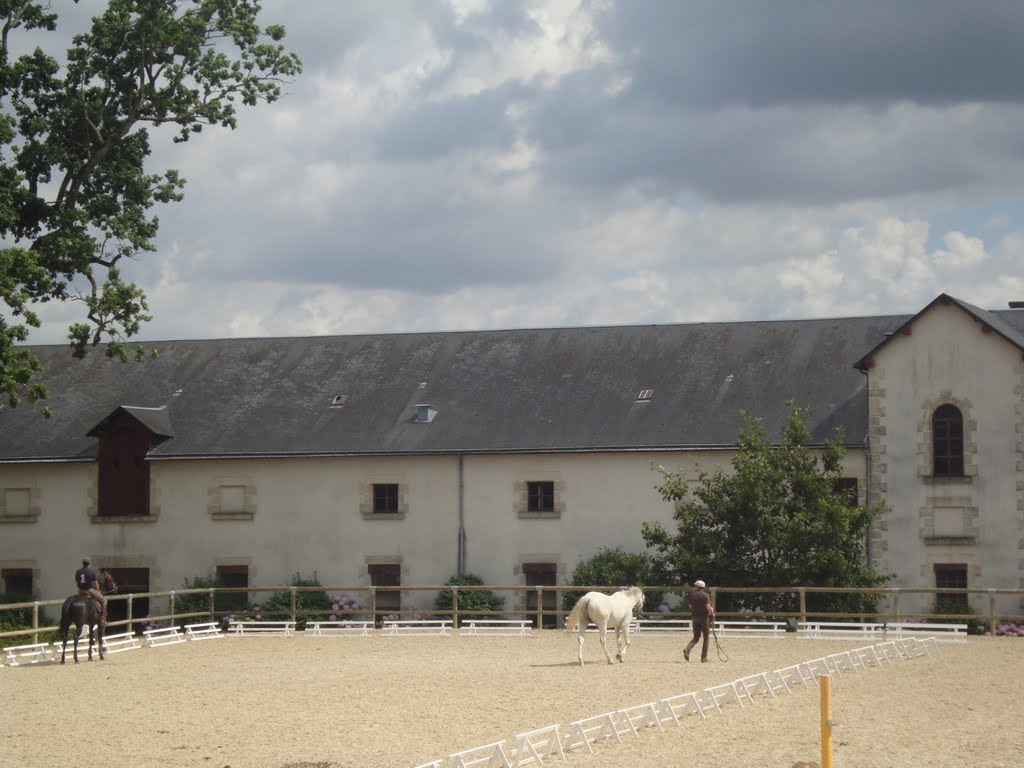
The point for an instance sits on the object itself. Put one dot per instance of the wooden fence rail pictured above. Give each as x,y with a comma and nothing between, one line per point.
530,599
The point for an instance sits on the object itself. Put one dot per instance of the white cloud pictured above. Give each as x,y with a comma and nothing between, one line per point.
962,251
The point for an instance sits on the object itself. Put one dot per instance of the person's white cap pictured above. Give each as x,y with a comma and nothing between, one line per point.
698,583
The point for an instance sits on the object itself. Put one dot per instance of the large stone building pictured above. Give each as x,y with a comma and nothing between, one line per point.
407,458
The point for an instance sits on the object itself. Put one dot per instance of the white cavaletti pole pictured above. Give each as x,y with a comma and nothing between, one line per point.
825,686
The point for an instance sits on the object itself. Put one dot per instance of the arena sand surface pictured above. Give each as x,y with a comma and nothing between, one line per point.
338,702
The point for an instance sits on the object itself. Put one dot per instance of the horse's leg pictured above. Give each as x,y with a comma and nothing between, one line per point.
603,626
78,631
624,632
64,647
91,625
101,626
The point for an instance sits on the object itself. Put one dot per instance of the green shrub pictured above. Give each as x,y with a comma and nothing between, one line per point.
959,607
307,604
469,600
20,619
618,569
195,603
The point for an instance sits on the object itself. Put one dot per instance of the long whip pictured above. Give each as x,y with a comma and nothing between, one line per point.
718,647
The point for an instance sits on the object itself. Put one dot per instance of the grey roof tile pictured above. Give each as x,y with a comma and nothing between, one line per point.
572,389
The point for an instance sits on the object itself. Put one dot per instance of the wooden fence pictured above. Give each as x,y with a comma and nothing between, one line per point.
529,602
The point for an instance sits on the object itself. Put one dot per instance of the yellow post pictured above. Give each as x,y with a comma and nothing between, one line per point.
825,685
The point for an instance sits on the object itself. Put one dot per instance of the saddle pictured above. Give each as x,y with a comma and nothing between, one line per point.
96,603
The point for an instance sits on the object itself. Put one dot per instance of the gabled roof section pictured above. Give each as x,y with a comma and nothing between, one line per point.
156,421
995,322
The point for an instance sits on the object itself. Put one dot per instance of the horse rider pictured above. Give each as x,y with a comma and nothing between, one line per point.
701,616
89,586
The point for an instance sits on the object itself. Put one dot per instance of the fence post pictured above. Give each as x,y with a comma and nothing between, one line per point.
825,687
35,622
540,606
992,612
896,606
128,610
212,613
455,607
373,604
803,604
172,606
292,600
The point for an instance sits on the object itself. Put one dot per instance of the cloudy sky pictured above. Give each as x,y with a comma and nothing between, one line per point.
471,164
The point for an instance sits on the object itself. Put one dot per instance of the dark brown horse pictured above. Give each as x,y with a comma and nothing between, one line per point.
82,610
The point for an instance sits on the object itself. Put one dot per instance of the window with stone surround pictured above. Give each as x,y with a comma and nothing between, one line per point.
232,498
847,487
17,506
951,576
17,584
387,600
385,498
947,442
540,497
236,576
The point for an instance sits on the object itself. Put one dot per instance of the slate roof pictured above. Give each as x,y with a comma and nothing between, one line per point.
555,389
1009,325
154,420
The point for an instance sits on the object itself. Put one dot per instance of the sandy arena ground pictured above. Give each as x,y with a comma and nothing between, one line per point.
338,702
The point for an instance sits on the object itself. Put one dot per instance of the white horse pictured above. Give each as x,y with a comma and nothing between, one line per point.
606,610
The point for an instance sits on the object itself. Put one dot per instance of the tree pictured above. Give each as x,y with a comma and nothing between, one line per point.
778,519
75,197
615,568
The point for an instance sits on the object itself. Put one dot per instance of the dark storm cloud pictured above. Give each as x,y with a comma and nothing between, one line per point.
806,155
759,54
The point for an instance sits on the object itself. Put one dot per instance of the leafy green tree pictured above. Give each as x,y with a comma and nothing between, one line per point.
75,196
777,519
470,601
615,568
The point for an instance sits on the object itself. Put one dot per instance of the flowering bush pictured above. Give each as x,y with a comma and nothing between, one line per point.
344,608
1009,629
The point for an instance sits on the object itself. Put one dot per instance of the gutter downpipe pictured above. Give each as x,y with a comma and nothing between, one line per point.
462,518
867,492
867,466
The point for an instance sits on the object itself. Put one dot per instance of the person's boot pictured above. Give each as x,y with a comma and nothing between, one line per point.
686,653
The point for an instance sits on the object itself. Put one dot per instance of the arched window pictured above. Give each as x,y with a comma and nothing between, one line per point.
947,442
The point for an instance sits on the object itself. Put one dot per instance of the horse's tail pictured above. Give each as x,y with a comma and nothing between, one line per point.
67,617
576,614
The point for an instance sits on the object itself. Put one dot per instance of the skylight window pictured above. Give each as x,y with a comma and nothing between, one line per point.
645,395
425,413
